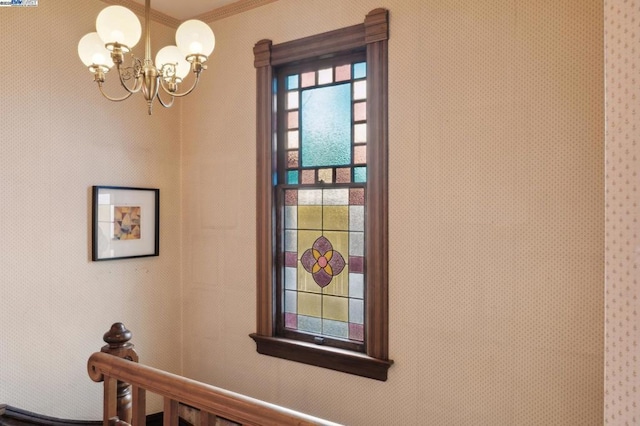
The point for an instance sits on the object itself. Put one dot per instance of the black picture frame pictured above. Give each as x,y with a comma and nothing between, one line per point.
121,225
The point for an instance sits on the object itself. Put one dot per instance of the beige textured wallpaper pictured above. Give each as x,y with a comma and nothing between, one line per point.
622,383
496,215
58,137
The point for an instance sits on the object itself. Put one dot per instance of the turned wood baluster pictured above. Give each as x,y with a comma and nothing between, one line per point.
118,344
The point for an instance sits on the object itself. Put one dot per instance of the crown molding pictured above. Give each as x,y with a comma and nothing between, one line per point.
232,9
239,6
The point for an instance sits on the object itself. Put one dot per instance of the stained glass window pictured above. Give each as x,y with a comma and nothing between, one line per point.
323,185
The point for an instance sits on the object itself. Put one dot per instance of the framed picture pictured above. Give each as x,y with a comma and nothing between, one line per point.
126,222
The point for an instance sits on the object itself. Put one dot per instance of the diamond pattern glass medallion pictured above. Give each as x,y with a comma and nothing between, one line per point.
323,150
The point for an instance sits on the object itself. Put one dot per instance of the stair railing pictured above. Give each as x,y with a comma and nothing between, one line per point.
126,383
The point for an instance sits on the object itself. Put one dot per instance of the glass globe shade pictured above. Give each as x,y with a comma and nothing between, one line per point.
92,51
118,24
172,55
195,37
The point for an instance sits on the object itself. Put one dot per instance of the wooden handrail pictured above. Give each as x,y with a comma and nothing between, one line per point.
175,389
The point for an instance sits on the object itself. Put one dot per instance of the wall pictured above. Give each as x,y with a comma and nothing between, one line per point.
58,137
622,383
496,219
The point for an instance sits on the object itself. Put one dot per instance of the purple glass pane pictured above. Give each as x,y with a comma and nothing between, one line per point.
291,197
356,196
322,245
343,175
322,278
308,176
290,259
356,332
337,263
291,321
308,260
356,264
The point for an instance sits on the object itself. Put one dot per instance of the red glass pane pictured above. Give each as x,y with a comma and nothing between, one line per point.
308,176
308,79
359,154
292,120
356,196
291,197
360,111
343,72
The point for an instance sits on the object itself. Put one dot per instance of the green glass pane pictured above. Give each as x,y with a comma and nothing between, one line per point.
326,126
292,82
360,70
359,174
292,177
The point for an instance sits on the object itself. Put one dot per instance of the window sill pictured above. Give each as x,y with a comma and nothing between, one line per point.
323,356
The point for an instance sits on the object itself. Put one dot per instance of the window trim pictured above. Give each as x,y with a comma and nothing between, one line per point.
373,35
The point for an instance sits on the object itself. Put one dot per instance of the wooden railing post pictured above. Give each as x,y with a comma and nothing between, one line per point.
118,344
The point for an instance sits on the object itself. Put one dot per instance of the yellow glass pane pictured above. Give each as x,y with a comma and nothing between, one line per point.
310,217
310,304
336,218
305,281
325,175
340,242
334,308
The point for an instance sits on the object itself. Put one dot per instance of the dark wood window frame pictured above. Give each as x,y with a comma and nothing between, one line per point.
372,36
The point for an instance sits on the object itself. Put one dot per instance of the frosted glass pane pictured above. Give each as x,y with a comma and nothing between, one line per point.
326,126
292,82
292,100
325,76
292,139
360,133
360,70
360,90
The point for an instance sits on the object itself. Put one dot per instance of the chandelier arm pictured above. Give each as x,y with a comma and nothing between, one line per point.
166,105
137,85
113,99
179,95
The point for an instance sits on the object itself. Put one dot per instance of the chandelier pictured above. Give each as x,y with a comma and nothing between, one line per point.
117,32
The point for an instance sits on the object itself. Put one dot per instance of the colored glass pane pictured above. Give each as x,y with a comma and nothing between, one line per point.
359,111
292,82
356,286
359,154
360,90
326,126
291,197
356,264
308,79
335,308
325,175
356,332
291,321
335,328
309,304
292,177
343,72
360,70
359,174
360,133
292,100
308,176
325,76
343,175
292,139
310,217
356,196
356,218
292,160
335,218
309,324
292,120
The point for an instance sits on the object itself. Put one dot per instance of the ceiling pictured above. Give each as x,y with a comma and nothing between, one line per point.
185,9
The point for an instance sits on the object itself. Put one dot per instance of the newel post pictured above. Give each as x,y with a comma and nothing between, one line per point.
118,344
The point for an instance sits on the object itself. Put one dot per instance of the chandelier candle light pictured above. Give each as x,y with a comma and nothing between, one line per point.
117,32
